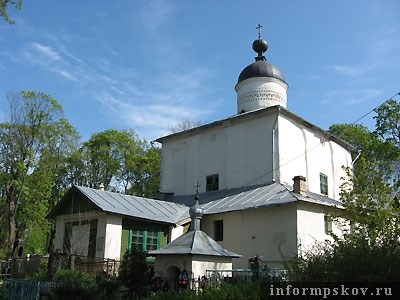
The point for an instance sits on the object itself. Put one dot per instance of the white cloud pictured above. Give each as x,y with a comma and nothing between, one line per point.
347,97
351,71
156,13
45,52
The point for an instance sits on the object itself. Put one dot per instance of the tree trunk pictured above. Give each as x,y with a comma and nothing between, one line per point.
11,221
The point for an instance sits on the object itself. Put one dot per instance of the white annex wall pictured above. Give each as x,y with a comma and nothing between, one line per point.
113,237
176,232
266,232
311,225
201,263
195,265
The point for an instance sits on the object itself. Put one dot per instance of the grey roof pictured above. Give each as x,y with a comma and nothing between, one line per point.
261,68
196,243
133,206
252,197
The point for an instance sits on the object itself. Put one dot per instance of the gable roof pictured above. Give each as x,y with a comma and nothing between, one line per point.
252,197
194,242
127,205
277,109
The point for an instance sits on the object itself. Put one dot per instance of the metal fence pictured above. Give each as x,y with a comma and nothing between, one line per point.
16,289
27,266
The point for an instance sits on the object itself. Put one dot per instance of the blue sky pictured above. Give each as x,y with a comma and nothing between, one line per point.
145,65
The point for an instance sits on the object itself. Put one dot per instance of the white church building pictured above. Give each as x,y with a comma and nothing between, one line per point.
269,180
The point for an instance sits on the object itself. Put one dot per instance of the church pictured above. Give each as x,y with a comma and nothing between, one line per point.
269,180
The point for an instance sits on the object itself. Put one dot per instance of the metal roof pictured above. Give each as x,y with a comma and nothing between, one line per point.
133,206
252,197
196,243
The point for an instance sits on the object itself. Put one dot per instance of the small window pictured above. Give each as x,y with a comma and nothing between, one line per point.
323,183
328,224
219,230
146,240
212,183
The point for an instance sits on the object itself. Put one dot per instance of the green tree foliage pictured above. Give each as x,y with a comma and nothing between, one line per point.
132,271
388,129
120,161
5,5
32,141
355,258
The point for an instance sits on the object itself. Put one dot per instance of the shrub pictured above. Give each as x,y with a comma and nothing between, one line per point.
355,258
73,275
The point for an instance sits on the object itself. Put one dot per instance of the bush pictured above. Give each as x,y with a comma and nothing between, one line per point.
101,289
73,275
132,271
245,291
355,258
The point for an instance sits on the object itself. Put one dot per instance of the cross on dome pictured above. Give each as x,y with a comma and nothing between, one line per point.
259,26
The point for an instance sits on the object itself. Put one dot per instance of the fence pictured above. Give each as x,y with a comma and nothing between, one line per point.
216,277
26,267
18,289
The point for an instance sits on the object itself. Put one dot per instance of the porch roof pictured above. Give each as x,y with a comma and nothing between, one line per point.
252,197
132,206
194,242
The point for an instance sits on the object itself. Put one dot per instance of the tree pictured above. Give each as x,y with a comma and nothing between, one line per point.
132,271
388,129
4,9
120,161
34,119
185,124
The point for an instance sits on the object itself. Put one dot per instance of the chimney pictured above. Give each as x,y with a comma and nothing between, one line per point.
101,187
300,185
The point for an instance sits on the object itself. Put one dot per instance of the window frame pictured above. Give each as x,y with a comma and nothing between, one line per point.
145,235
323,184
218,230
214,184
327,224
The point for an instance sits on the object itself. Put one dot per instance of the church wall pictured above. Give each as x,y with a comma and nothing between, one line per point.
240,152
311,224
303,151
266,232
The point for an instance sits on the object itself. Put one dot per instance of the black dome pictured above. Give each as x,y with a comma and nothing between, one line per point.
260,68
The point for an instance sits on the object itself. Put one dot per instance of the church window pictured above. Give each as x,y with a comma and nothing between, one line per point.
328,224
219,230
212,183
143,239
323,183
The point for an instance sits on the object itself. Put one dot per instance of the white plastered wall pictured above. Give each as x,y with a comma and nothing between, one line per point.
311,225
240,152
267,232
308,153
113,237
